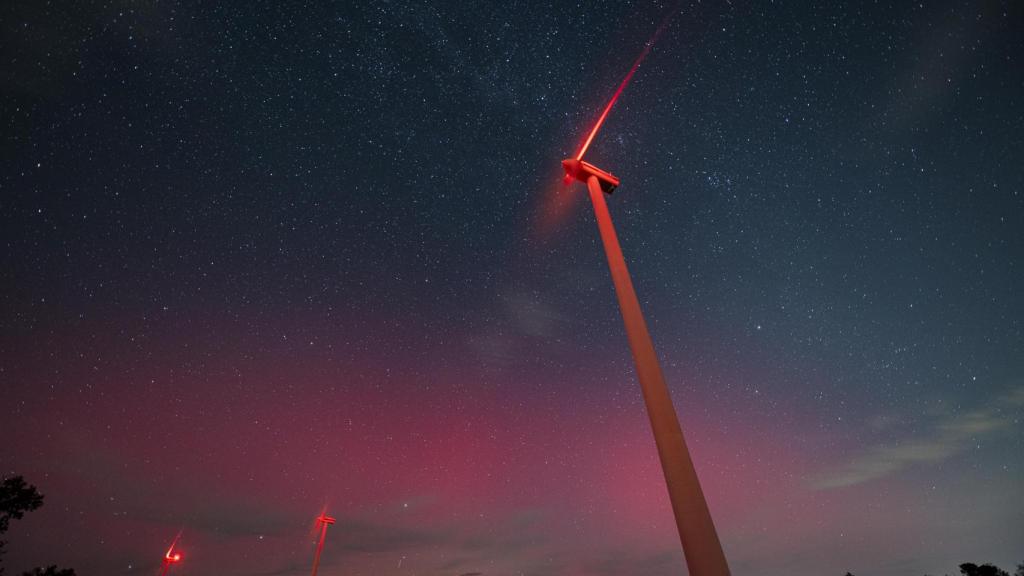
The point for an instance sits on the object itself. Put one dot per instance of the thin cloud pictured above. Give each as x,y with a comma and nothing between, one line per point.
950,436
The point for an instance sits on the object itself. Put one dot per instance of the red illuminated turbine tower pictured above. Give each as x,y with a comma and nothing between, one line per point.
701,547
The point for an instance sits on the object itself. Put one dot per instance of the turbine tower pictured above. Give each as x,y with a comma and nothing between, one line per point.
323,520
701,547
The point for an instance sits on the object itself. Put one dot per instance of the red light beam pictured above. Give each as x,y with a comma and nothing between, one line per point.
556,203
622,85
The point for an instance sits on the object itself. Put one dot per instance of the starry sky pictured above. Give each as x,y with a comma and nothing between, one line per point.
266,257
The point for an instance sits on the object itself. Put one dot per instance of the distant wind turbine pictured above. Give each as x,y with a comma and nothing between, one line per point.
323,520
170,557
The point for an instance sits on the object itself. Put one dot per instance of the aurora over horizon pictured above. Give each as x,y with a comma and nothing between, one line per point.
265,261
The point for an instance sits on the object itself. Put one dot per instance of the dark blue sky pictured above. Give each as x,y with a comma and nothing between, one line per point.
261,257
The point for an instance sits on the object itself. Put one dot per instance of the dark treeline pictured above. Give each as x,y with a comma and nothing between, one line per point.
970,569
988,570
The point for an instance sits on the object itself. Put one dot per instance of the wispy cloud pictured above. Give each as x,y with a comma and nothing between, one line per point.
528,317
951,435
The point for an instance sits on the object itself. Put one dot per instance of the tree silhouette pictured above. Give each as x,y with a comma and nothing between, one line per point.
16,498
969,569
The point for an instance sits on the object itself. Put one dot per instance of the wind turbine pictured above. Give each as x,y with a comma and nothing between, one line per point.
323,520
701,547
170,557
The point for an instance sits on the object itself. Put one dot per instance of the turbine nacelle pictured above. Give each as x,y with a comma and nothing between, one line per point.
582,171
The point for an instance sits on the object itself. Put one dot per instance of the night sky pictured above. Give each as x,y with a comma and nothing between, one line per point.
263,257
